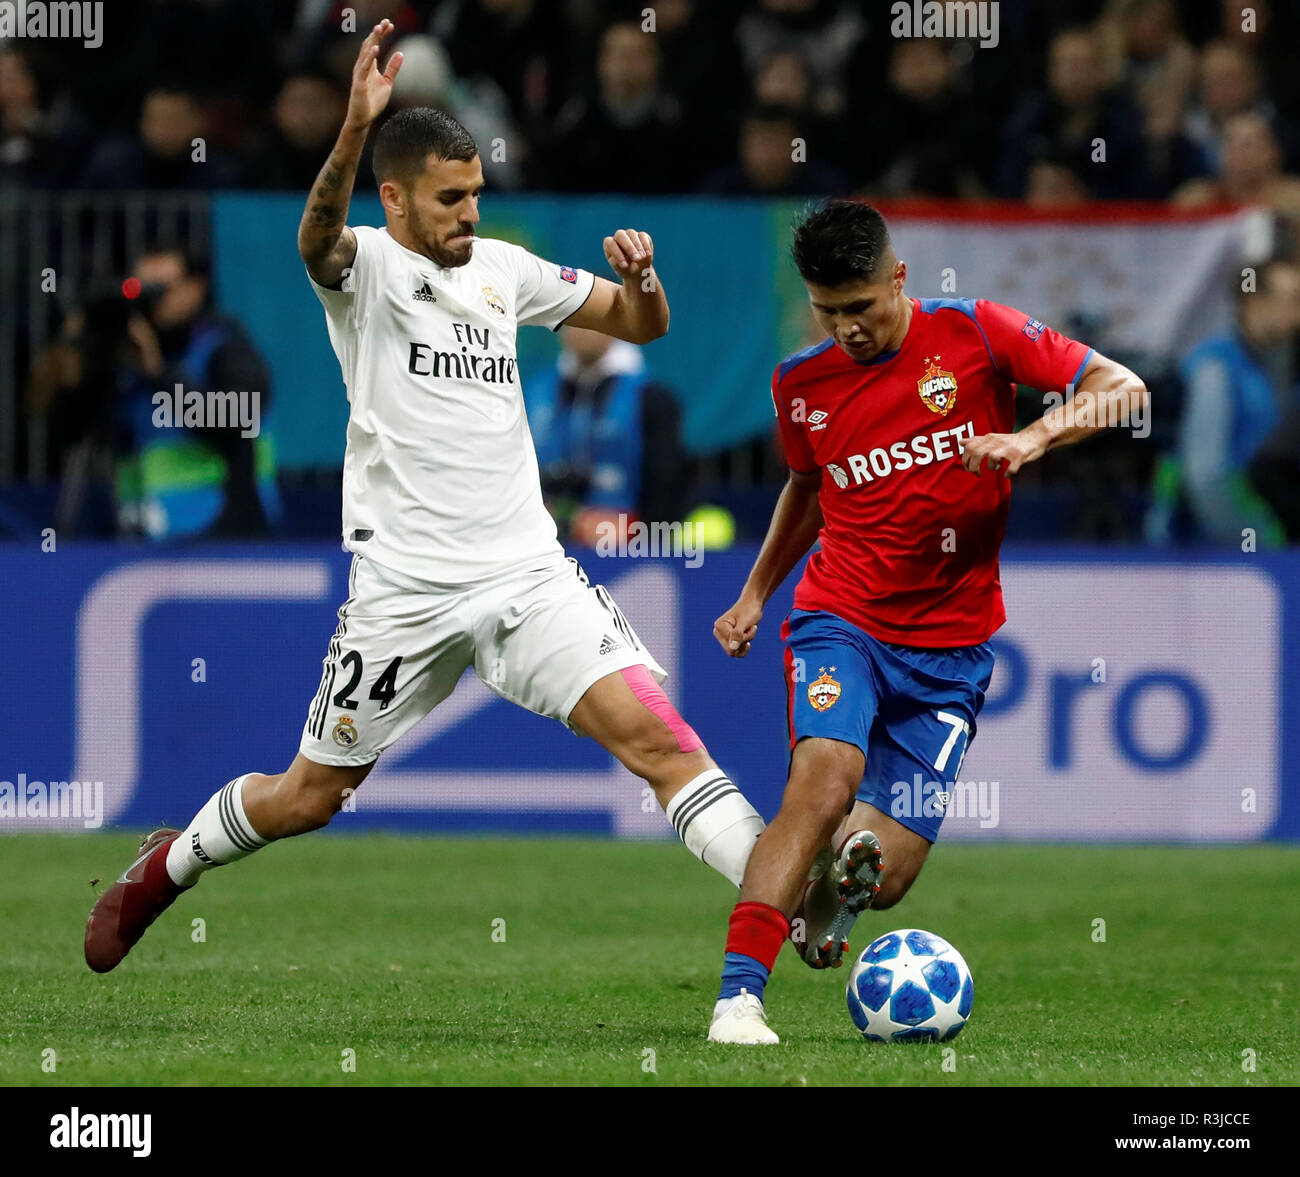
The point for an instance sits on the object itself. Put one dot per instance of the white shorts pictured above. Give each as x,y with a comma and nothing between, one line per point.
539,638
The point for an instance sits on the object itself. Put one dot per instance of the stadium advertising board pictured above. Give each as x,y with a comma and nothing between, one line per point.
1135,700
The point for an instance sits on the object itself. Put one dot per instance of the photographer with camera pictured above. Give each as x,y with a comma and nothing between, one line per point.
130,389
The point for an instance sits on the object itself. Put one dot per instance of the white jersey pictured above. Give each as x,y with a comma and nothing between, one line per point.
440,478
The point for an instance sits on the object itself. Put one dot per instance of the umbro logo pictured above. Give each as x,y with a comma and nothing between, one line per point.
609,645
423,293
817,420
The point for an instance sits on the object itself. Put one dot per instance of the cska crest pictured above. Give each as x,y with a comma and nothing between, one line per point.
824,692
938,388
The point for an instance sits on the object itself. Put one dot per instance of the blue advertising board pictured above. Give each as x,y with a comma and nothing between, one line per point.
1137,698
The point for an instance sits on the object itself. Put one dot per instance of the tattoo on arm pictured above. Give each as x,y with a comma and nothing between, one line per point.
324,216
327,208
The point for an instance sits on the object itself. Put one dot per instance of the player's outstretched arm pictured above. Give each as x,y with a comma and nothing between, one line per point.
638,309
325,243
1108,394
796,520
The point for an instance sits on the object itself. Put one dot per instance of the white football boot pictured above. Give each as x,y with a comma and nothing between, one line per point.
835,899
740,1020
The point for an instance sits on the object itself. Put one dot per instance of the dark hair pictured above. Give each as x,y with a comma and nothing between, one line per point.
841,241
1056,155
410,136
313,72
194,258
173,86
771,114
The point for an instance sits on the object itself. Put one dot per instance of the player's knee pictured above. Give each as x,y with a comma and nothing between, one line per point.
816,809
308,801
651,755
652,748
889,894
894,884
310,809
825,760
822,786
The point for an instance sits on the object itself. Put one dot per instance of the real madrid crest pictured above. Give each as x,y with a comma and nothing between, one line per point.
345,731
495,305
938,387
824,691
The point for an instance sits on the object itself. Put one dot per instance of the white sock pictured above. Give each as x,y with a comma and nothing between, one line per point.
220,833
717,824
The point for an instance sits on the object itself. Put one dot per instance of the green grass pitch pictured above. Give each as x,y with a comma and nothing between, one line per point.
386,947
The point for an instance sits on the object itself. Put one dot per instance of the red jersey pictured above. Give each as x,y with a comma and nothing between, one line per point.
909,547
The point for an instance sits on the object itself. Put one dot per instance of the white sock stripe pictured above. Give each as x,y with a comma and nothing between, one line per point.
691,787
700,802
235,830
240,814
687,793
690,790
218,834
221,814
716,822
686,825
227,822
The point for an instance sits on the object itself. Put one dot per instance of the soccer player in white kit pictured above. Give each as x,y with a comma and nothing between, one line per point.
455,558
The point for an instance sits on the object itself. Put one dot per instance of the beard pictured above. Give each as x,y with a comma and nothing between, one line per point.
436,249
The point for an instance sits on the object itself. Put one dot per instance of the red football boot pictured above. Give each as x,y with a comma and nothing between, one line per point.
123,912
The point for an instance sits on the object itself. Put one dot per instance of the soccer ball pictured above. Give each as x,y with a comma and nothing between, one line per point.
910,985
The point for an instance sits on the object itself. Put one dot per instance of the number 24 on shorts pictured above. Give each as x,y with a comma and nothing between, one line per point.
383,690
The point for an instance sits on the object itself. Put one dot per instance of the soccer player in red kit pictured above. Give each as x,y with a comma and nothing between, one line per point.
898,433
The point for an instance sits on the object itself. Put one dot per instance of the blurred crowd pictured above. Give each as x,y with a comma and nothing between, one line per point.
1194,102
1197,101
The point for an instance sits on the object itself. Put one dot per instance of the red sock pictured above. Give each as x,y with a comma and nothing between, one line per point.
757,930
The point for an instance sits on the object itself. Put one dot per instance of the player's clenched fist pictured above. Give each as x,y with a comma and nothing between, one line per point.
736,628
1004,452
630,252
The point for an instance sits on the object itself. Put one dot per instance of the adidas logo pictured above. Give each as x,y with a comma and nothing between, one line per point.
608,645
424,294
